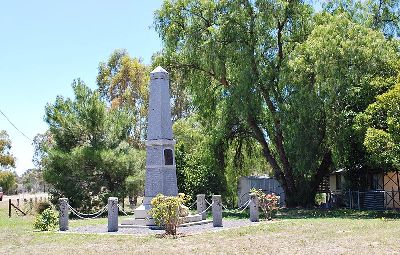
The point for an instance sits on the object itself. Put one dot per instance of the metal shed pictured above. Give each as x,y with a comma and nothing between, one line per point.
264,182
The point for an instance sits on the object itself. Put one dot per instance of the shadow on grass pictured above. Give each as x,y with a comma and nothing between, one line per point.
317,213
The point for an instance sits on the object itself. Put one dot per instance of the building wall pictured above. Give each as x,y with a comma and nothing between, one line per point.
265,183
392,190
332,182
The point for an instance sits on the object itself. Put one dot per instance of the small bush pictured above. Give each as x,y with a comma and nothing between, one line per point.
42,206
46,221
166,211
267,202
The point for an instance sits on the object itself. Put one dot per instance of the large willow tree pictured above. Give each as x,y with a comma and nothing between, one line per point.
272,71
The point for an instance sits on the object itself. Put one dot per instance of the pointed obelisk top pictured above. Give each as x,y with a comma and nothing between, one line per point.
159,73
159,69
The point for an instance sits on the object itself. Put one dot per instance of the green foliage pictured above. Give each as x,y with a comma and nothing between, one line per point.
276,74
87,155
269,203
32,179
380,123
382,15
197,166
166,211
6,158
8,181
42,206
46,221
135,183
123,82
337,72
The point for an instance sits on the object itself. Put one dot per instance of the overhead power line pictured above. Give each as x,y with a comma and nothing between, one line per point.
15,126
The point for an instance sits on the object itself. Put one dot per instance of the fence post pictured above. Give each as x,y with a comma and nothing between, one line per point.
18,202
112,214
393,196
254,212
217,210
9,208
64,213
201,205
31,203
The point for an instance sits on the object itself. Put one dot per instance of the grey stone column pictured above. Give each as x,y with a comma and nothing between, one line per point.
254,212
64,213
201,205
217,210
112,214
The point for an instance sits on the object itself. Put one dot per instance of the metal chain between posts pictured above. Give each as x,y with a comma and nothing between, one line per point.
192,204
82,215
207,208
223,206
122,210
245,205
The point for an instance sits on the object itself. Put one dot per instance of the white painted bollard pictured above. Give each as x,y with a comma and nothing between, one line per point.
217,210
254,212
201,205
112,214
64,213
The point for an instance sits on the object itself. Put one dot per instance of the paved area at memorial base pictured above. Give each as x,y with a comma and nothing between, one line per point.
227,224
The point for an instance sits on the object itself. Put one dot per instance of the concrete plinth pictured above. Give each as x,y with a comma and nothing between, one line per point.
64,214
217,210
201,205
254,212
134,222
112,214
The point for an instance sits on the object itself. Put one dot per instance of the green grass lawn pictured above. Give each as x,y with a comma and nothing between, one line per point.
294,232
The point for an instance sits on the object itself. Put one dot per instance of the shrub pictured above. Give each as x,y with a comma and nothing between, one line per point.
166,211
46,221
42,206
267,202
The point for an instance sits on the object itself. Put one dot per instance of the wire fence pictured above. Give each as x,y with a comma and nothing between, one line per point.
366,200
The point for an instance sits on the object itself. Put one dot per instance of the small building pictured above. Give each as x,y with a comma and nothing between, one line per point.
336,180
382,191
264,182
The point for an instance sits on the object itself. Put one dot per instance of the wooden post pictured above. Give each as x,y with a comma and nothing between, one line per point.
9,208
18,202
393,198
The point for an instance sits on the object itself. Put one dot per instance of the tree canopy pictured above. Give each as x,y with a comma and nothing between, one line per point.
7,160
273,71
88,156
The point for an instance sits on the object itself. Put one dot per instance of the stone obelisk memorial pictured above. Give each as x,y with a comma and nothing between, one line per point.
160,160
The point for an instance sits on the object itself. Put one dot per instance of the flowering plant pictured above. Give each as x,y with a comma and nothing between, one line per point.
267,202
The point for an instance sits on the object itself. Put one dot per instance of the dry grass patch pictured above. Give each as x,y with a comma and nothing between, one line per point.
287,236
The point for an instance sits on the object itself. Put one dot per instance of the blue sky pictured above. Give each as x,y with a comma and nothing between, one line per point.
44,45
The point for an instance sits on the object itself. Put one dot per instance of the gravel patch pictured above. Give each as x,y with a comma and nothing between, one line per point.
194,229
